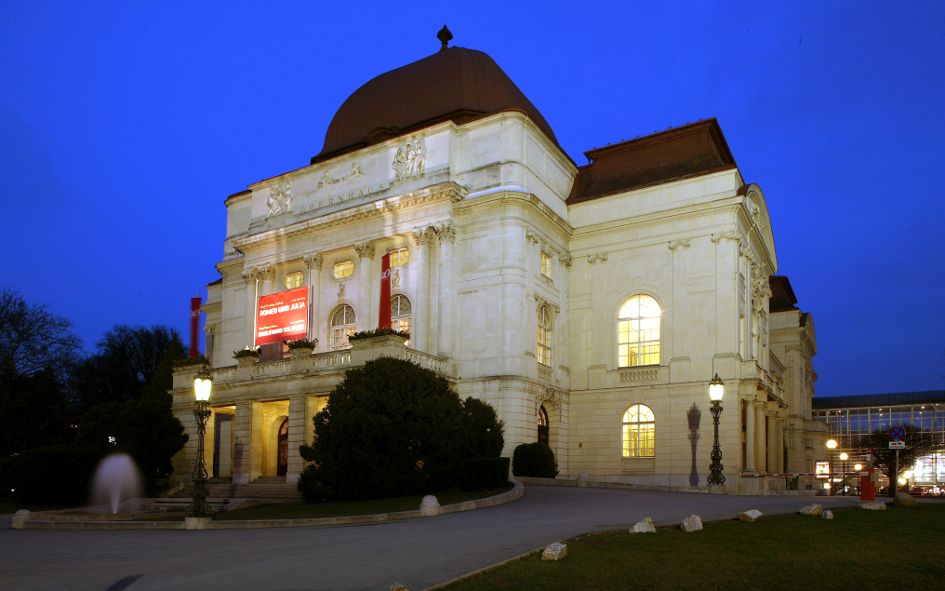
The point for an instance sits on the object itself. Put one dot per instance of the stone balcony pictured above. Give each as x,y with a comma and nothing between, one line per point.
303,363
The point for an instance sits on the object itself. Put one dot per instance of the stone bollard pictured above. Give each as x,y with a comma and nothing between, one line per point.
813,510
582,479
904,499
429,506
195,523
555,551
20,518
750,515
827,514
873,506
691,523
644,526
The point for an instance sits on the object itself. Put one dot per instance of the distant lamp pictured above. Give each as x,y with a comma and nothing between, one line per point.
857,467
907,474
831,444
902,481
844,456
203,387
716,391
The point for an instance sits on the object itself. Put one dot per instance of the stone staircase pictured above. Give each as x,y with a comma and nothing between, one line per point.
268,488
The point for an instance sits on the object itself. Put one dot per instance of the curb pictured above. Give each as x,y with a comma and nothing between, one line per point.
517,492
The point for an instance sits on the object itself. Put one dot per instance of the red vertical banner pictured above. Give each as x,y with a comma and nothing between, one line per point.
383,318
194,325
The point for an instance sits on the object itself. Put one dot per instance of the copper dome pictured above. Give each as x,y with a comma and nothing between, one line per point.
454,84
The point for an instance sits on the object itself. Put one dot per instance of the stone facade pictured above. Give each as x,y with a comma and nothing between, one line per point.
497,242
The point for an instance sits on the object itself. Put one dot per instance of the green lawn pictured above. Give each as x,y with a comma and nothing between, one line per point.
342,508
896,549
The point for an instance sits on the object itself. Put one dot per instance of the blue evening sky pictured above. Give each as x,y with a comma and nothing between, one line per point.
124,125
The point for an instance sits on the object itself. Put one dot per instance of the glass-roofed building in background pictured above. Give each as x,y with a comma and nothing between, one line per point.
852,418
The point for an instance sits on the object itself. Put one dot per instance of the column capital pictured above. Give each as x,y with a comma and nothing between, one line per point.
365,249
313,261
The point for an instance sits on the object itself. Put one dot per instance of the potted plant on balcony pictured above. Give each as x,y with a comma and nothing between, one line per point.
246,356
302,348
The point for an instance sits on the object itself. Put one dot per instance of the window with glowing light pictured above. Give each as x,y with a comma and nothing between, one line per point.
638,332
342,269
399,257
341,326
639,432
293,280
401,313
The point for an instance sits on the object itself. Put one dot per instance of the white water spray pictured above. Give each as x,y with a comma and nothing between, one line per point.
116,479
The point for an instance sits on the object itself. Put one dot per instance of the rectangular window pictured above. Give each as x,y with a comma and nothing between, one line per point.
547,264
399,257
293,280
342,269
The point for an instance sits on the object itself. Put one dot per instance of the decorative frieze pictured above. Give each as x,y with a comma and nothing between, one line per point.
727,235
565,259
326,179
684,242
600,257
640,375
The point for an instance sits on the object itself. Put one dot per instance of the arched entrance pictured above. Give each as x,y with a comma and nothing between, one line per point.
543,429
282,449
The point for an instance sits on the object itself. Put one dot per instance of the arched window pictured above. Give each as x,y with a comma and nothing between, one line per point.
638,332
544,336
639,432
341,326
543,428
401,313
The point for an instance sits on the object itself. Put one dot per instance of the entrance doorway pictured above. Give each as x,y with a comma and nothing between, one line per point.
282,457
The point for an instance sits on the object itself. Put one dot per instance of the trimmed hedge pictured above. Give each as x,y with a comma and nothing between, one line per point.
484,473
534,459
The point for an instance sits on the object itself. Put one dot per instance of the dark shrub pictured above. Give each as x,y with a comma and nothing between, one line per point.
53,475
484,473
393,428
534,459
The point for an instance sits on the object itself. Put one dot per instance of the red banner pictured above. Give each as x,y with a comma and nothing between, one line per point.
282,316
383,318
194,325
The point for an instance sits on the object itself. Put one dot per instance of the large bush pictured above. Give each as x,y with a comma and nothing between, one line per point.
534,459
392,428
53,475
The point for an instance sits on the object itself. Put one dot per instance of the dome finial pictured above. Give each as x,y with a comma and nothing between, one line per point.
444,36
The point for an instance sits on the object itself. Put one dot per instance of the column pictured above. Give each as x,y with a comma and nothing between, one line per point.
445,291
251,278
773,447
750,426
296,436
314,264
780,445
760,444
423,239
366,313
242,428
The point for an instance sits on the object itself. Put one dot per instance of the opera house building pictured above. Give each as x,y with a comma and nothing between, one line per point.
590,304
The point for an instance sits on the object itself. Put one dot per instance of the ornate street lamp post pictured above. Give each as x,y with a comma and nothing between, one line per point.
716,391
203,384
831,445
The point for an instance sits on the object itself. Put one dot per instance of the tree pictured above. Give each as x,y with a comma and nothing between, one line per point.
33,339
919,443
392,428
129,358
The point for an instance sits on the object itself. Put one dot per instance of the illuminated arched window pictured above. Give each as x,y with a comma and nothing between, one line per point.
341,326
639,432
638,332
401,313
544,336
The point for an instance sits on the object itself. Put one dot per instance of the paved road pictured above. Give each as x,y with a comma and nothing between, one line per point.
417,553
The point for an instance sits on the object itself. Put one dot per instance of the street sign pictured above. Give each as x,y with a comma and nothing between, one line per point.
897,445
897,434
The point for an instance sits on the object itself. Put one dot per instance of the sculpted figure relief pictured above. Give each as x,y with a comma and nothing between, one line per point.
409,160
280,199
